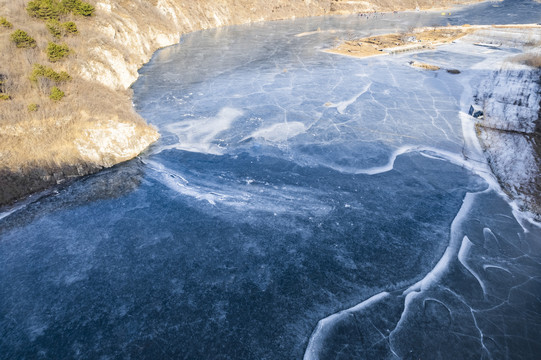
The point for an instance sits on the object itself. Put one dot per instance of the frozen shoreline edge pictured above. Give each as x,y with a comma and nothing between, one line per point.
475,161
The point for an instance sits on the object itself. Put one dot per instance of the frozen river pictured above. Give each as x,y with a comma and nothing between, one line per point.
299,204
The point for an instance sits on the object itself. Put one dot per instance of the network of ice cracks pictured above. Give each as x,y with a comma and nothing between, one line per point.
292,105
273,102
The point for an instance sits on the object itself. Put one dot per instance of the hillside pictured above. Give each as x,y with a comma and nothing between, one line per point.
65,109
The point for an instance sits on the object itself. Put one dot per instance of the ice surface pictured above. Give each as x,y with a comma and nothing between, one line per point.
197,135
298,204
279,132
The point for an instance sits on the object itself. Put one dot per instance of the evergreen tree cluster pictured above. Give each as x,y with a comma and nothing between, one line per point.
58,29
54,9
5,23
56,52
56,94
41,71
22,39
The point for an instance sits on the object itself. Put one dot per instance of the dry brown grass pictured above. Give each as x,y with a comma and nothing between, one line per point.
424,66
46,137
424,37
39,149
533,60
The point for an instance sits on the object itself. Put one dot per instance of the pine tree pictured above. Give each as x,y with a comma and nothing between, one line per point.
22,39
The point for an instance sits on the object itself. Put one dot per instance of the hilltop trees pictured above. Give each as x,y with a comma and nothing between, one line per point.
58,29
54,9
5,23
58,17
41,71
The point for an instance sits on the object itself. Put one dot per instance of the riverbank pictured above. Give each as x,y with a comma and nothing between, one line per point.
94,126
510,130
415,40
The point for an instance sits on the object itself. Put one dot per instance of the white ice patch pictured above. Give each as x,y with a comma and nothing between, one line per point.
199,135
178,183
437,154
279,132
465,249
315,344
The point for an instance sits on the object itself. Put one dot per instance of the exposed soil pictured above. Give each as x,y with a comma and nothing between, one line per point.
418,39
424,66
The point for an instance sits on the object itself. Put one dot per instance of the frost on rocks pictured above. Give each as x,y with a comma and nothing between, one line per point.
511,99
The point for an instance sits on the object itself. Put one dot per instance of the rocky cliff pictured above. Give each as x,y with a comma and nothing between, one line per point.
510,131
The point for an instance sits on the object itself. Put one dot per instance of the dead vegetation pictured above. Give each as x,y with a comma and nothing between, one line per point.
414,39
38,134
533,60
424,66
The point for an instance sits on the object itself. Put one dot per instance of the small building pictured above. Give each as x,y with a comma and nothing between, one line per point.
475,111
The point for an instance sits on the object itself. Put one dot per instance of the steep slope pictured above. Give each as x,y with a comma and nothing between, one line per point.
510,130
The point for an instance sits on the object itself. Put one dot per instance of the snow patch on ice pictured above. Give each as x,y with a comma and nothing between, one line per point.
200,135
246,196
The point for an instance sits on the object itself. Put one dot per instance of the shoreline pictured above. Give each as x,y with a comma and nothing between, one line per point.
105,68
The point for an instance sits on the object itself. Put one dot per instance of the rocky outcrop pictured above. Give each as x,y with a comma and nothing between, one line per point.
510,132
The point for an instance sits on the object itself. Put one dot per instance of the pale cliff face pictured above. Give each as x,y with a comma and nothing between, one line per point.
511,100
109,142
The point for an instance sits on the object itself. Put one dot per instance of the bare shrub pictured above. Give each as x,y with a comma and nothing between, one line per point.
533,60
